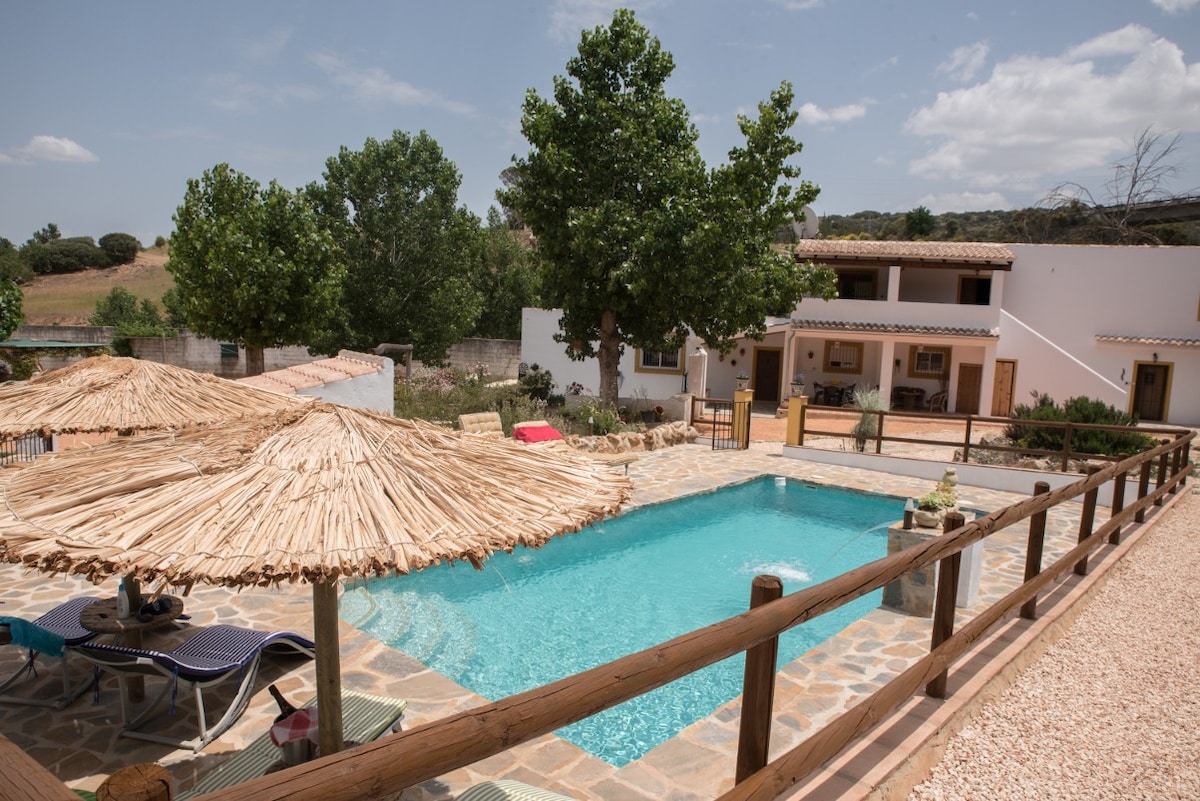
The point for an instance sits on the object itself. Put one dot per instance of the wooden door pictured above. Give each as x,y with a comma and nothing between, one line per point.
767,365
1002,387
1151,384
970,384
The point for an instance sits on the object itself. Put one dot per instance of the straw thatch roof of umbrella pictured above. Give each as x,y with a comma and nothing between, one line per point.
113,393
309,495
324,492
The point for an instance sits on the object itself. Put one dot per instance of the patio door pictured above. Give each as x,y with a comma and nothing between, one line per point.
970,385
1002,387
768,362
1150,388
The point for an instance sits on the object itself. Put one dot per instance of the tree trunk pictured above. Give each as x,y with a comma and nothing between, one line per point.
255,360
610,358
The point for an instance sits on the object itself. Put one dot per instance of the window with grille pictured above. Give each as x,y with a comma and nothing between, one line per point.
856,285
843,357
660,360
229,351
927,362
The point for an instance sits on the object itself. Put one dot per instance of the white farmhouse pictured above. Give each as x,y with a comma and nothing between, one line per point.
954,326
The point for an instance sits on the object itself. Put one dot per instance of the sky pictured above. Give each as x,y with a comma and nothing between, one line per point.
107,109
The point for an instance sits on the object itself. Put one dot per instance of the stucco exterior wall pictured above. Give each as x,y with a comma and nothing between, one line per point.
1060,297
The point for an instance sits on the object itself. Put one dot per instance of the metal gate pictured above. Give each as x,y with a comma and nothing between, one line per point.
24,448
730,424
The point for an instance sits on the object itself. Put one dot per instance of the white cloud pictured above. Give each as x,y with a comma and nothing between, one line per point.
965,62
568,18
1175,6
375,85
800,5
942,202
49,148
1036,117
229,92
815,115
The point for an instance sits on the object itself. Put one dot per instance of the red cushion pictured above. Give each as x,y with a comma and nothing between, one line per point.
536,433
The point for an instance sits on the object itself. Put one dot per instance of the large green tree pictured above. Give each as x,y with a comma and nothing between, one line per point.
252,265
11,312
507,276
641,241
409,248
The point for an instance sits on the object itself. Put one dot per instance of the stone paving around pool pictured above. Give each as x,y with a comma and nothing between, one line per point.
80,744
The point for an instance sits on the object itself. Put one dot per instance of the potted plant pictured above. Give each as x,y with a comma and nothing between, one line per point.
932,508
797,385
742,379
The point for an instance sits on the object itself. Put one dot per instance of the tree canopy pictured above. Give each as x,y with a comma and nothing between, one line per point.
11,312
409,249
641,242
252,265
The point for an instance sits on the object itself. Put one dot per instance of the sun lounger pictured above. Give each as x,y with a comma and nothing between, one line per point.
364,718
509,790
215,655
54,634
537,432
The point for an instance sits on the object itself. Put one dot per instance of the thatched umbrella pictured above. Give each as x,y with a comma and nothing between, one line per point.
313,495
123,395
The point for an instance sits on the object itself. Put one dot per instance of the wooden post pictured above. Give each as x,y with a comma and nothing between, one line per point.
1186,460
943,605
795,421
967,441
1066,446
1143,490
803,421
758,688
328,665
1087,517
879,432
1118,502
1176,466
1033,552
1161,478
148,781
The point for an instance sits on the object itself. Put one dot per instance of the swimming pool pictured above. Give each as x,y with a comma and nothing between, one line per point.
532,617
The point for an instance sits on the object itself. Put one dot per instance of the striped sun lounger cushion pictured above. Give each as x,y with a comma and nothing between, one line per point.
509,790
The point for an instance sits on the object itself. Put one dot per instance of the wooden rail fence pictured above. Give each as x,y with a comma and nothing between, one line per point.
390,765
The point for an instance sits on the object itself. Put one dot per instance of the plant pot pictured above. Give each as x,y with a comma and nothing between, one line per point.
741,383
648,416
929,519
659,413
797,390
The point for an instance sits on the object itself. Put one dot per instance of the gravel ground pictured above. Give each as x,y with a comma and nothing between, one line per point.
1112,709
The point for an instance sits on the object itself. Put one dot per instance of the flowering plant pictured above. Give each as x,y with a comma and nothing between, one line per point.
575,388
743,375
798,378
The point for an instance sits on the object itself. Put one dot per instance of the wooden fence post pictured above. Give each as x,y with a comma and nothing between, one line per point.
1176,466
967,441
1066,446
1033,552
943,605
758,688
1143,490
1161,478
1118,502
1087,517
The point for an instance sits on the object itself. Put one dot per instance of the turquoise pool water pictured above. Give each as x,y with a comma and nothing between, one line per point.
534,616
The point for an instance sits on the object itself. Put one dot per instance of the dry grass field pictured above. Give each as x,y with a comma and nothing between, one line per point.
70,299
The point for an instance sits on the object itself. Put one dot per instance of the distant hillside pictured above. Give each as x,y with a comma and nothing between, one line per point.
69,299
1033,225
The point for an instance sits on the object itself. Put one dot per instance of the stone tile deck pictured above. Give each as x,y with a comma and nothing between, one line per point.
80,744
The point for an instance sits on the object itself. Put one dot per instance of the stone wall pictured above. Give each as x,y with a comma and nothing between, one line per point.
501,356
83,334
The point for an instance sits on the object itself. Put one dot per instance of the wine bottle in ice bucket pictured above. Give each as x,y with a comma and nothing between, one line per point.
286,709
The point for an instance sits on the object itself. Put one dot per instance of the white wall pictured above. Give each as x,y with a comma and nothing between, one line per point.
538,327
1058,298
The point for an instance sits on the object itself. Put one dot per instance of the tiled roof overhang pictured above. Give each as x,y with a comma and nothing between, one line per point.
1162,342
901,329
844,253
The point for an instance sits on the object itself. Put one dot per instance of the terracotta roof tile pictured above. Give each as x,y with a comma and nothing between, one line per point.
1178,342
963,252
896,328
344,366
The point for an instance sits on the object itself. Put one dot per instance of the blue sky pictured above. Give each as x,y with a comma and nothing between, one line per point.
108,108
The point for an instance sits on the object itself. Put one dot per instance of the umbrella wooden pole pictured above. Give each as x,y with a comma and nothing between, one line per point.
329,667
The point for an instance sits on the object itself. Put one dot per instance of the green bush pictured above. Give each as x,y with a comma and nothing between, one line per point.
604,419
64,255
121,248
537,383
1076,410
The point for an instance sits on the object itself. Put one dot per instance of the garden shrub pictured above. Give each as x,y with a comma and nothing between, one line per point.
120,248
1076,410
537,383
64,255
